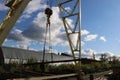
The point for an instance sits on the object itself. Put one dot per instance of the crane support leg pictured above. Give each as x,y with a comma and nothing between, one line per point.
72,30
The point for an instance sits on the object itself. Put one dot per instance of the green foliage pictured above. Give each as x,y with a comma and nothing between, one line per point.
95,67
31,60
104,58
2,70
56,69
62,69
12,66
34,67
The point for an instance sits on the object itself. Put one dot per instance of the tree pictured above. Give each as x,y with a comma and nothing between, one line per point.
103,58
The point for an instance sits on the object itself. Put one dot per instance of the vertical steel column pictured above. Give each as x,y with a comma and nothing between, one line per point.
71,9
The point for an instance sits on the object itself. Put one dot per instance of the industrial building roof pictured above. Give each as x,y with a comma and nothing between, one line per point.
17,53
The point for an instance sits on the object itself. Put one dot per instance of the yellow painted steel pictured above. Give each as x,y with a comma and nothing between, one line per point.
75,29
12,16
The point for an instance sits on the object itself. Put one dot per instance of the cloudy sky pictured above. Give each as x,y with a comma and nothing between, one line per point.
100,27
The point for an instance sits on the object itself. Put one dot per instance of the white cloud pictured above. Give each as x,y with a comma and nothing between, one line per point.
64,43
82,43
36,30
16,35
90,37
102,38
3,7
74,38
84,32
88,53
21,41
108,53
68,9
33,6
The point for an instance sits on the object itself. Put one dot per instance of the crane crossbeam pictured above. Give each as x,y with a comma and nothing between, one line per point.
65,2
16,9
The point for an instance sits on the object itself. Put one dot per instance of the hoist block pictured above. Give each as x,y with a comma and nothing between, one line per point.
48,12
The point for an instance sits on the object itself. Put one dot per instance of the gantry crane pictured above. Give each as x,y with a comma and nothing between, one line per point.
18,6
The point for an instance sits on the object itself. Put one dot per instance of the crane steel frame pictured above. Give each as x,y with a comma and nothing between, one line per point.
16,9
74,29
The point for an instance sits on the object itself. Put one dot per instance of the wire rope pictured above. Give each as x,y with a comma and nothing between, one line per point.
48,13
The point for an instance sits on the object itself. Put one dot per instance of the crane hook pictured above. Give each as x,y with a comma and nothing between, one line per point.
48,13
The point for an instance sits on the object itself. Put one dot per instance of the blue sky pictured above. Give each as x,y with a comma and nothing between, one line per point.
101,17
100,27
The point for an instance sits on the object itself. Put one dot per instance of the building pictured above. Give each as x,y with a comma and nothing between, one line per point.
8,54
